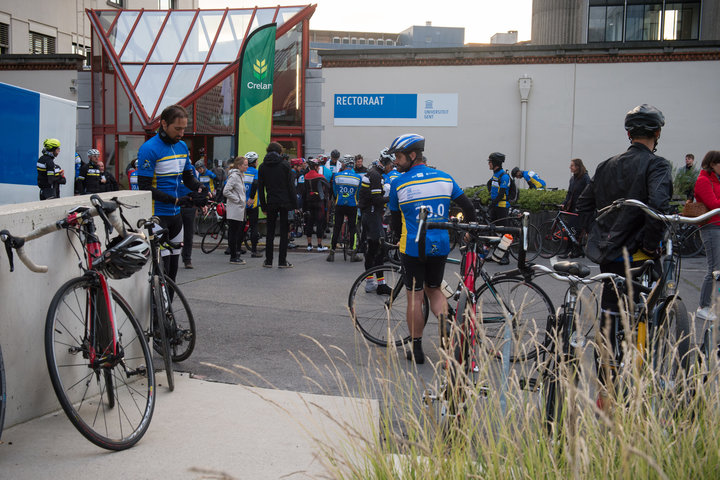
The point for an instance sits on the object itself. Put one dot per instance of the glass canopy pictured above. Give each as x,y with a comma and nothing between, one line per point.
164,56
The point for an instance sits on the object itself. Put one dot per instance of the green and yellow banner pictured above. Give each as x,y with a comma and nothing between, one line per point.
255,91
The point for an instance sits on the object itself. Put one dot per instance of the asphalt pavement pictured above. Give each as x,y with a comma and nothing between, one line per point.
265,336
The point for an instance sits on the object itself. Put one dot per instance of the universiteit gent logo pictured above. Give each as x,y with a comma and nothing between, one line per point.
260,69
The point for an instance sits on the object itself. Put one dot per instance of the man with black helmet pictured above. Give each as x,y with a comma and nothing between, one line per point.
499,186
421,186
639,174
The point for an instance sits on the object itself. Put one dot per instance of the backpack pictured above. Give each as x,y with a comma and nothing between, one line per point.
512,195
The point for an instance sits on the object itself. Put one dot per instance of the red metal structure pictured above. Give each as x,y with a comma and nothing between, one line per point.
145,60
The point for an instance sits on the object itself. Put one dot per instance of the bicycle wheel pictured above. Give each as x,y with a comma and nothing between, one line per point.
3,393
689,241
669,347
382,318
161,329
213,237
529,308
182,339
560,369
552,239
462,346
534,244
80,367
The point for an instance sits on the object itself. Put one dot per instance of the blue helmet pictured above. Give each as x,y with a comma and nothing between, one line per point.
407,143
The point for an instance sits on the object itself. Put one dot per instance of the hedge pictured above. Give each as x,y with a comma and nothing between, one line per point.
529,200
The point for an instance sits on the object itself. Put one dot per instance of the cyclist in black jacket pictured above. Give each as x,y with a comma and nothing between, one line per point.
88,180
371,201
47,176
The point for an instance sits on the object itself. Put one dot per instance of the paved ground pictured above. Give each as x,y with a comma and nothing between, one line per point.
288,330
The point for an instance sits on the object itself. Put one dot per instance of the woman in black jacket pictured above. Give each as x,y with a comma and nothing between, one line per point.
578,181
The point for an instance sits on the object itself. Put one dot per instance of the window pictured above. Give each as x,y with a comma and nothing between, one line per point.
361,41
41,44
345,41
82,50
371,41
643,20
353,41
389,42
4,38
682,21
167,4
116,3
336,39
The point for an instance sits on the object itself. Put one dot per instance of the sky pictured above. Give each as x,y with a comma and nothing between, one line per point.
481,18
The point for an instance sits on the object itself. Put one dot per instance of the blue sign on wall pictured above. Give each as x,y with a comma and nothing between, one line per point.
19,144
383,105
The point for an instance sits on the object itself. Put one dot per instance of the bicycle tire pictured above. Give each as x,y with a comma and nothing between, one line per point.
460,371
690,242
669,346
79,385
380,318
534,244
530,332
553,389
161,341
551,239
3,393
183,323
213,237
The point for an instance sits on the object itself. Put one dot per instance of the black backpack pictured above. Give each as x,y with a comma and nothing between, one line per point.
512,195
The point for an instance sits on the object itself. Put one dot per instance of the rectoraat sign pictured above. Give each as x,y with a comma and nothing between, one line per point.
395,109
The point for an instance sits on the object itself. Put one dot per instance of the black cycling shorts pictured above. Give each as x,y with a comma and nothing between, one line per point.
419,274
372,225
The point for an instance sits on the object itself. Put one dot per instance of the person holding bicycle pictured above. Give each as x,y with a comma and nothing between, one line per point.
533,179
345,188
707,192
163,165
634,174
421,186
372,199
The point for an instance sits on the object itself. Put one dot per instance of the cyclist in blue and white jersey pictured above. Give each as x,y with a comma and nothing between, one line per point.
163,165
251,209
346,186
533,179
206,177
420,186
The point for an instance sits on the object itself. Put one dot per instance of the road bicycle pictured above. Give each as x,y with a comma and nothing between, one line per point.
98,359
557,236
381,319
172,324
514,219
218,230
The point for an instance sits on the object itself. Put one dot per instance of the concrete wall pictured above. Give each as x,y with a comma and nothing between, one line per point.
574,110
26,297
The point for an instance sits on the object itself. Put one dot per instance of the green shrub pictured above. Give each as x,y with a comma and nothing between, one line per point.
530,200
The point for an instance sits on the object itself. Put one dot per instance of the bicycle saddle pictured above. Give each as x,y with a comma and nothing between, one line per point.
572,268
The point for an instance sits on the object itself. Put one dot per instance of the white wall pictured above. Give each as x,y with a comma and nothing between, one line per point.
574,110
26,296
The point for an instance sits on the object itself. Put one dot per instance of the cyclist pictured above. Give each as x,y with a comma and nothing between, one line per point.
88,180
206,177
251,211
639,174
107,179
533,179
163,164
314,198
346,185
420,186
499,186
47,178
372,199
359,168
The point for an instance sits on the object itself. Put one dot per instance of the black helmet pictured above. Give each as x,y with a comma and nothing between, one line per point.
335,154
514,171
496,158
644,118
123,257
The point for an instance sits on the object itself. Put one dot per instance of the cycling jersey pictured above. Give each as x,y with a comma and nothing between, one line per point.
250,192
388,179
423,186
89,179
345,187
208,179
133,180
533,181
165,164
46,171
500,180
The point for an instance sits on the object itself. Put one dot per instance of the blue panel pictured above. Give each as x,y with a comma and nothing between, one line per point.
19,135
380,105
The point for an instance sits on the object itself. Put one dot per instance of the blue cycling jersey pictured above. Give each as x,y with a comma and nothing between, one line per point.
434,189
133,180
391,175
533,180
183,190
346,186
500,180
207,179
250,177
165,164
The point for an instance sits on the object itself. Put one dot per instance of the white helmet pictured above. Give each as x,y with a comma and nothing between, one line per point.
251,157
93,151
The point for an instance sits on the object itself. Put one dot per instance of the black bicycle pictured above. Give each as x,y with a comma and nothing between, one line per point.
172,321
558,237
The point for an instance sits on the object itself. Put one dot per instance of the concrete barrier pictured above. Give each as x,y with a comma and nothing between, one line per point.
26,296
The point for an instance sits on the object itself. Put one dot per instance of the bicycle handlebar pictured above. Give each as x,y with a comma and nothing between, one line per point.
570,278
651,212
107,210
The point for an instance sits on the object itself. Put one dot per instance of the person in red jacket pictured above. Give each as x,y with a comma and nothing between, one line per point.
707,191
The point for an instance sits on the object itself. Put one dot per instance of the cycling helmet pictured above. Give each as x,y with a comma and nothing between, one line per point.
335,154
496,158
252,158
295,162
386,157
199,164
51,144
123,257
220,209
93,151
314,162
514,172
407,143
644,118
